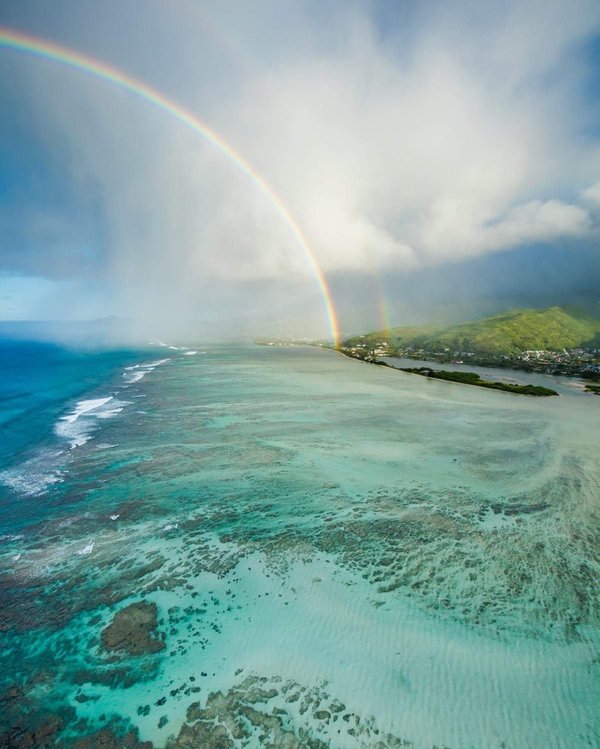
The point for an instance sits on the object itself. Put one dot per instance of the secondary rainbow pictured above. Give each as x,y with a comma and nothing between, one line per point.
15,40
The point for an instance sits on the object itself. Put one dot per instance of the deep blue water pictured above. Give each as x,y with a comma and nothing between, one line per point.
39,383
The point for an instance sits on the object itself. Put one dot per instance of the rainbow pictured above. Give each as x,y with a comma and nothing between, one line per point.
382,305
14,40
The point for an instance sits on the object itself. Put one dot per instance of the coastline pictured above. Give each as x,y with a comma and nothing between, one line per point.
466,378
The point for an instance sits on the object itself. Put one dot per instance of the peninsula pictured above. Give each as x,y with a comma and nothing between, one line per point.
472,378
465,378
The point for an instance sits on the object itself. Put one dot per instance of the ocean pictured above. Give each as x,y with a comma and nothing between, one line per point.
243,546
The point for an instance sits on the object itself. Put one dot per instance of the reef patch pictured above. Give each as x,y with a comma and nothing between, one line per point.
133,630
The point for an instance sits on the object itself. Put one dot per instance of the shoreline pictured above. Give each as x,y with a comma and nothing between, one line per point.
468,378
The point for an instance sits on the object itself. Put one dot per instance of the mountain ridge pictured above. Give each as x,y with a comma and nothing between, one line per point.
551,329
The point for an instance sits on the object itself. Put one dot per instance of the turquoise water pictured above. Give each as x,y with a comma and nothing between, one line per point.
334,554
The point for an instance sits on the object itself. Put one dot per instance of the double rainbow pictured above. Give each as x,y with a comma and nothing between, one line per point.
15,40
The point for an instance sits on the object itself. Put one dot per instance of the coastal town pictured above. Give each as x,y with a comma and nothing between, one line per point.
576,362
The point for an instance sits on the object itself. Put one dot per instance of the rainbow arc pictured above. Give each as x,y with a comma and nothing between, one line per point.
14,40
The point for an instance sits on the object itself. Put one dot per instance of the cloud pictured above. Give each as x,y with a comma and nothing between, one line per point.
397,142
396,157
592,195
538,221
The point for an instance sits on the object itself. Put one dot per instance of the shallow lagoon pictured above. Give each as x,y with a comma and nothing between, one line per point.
339,555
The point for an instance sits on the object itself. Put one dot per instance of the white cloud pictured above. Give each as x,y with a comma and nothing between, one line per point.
537,221
592,194
451,136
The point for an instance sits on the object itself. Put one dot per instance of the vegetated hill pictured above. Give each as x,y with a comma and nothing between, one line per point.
551,329
396,336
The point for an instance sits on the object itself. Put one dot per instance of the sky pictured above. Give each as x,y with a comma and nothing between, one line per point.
441,159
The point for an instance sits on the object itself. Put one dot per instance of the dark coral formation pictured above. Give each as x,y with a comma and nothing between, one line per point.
25,724
107,738
133,630
250,713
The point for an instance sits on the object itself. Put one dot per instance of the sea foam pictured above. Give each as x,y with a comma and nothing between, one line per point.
78,426
35,475
85,406
137,372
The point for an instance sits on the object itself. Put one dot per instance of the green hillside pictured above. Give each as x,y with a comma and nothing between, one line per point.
397,336
551,329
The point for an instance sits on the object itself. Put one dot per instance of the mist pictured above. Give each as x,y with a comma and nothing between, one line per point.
441,164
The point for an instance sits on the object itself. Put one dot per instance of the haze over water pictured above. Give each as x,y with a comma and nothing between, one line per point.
338,555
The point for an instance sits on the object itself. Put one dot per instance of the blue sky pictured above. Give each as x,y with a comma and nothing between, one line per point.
444,150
